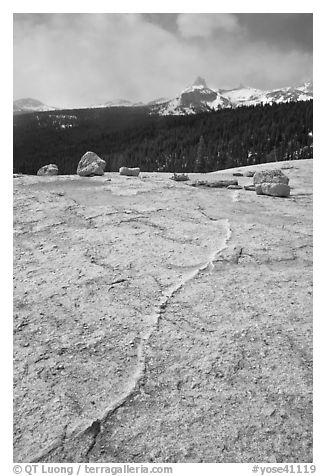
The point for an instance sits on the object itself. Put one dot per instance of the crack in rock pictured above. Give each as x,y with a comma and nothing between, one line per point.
94,427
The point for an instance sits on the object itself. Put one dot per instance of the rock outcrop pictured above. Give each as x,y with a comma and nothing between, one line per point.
51,169
130,172
135,302
91,164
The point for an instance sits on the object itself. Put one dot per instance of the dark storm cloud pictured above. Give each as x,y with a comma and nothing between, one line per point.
165,20
284,30
82,59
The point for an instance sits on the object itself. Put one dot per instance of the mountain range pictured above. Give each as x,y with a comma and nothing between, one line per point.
194,99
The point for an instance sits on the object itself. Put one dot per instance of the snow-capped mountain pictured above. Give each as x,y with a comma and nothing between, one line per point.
31,105
200,98
196,98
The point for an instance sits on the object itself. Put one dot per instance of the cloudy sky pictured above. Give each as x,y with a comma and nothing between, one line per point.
72,60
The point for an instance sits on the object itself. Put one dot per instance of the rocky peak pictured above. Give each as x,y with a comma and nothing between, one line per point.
200,82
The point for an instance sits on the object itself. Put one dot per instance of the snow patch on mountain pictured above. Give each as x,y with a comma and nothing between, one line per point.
244,95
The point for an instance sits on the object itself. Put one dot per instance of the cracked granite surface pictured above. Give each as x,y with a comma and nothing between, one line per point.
156,322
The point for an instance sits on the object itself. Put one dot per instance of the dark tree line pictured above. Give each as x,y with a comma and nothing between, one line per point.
134,138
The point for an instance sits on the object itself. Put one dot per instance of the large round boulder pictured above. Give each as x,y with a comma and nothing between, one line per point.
90,164
50,169
270,176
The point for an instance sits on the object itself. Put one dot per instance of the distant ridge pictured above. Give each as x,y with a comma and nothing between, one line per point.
31,105
194,99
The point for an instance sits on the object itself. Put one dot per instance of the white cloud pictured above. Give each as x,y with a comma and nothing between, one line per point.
204,24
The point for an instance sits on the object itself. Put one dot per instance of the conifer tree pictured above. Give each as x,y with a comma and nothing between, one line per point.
201,156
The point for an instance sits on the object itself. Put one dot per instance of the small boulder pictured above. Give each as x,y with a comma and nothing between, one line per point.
270,176
248,173
179,177
251,188
130,172
50,169
275,189
234,187
91,164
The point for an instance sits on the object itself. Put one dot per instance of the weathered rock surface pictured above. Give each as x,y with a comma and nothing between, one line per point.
91,164
275,189
129,171
51,169
161,323
270,176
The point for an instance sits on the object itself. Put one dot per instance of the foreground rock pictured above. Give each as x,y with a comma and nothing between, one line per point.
91,164
129,171
51,169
